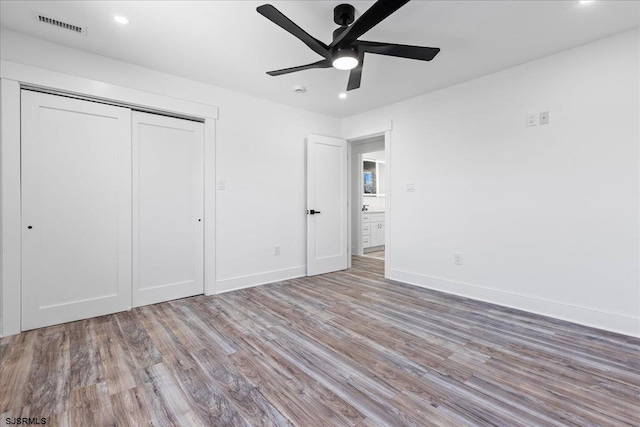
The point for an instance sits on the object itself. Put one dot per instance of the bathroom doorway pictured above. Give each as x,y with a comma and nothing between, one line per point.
368,193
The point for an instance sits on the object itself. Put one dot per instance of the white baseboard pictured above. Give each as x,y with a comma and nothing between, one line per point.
584,316
241,282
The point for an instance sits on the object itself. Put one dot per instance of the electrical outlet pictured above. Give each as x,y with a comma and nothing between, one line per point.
457,259
276,250
544,118
222,184
531,119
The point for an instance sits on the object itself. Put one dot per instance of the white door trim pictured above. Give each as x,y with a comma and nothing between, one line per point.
10,211
33,76
387,209
12,76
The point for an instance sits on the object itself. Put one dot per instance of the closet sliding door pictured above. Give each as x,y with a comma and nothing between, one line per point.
76,209
112,209
168,208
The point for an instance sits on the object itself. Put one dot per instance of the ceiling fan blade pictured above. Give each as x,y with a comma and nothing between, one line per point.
320,64
400,50
356,74
275,16
372,17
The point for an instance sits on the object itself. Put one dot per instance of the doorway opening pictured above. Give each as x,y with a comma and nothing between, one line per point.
368,167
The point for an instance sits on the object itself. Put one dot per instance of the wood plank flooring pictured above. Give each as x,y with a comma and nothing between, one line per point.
375,254
342,349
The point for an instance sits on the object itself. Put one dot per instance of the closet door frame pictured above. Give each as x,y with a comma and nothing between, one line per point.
13,77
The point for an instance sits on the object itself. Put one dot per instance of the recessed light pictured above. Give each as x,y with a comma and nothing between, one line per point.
121,20
342,95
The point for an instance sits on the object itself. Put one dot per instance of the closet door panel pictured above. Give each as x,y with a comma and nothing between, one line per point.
168,208
76,203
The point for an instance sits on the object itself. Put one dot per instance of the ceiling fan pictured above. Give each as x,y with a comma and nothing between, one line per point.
346,52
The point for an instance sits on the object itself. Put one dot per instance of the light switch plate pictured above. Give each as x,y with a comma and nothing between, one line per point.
544,118
531,119
222,184
411,188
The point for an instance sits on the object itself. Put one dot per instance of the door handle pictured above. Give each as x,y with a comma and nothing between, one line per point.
313,212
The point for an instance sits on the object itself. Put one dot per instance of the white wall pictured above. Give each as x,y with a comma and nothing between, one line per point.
259,153
376,155
546,217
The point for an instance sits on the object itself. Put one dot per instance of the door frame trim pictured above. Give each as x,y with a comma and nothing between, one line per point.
12,77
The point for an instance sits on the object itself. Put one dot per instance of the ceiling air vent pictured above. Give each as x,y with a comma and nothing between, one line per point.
45,19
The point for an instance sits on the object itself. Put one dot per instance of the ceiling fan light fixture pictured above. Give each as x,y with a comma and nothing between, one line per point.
345,59
346,51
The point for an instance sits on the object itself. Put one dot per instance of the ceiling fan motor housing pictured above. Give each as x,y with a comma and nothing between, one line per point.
344,14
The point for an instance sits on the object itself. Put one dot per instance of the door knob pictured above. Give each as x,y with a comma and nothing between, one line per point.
29,227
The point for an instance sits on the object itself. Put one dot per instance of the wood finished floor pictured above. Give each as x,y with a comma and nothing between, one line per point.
342,349
375,254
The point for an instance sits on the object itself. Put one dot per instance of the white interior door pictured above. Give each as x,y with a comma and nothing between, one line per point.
76,209
168,208
327,221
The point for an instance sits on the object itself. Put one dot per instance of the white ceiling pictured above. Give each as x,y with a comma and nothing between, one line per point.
228,44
